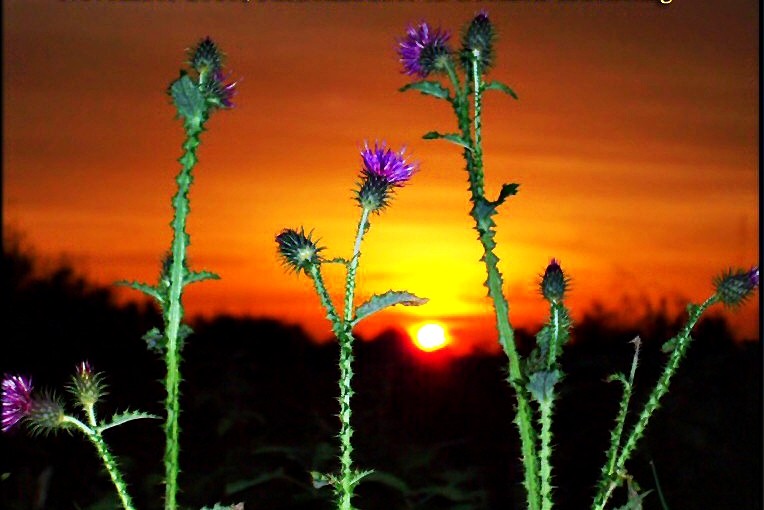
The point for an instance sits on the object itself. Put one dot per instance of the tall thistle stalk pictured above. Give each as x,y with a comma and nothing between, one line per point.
382,171
425,51
195,95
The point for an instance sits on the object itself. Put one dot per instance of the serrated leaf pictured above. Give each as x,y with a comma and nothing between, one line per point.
189,101
507,190
451,137
428,88
360,475
378,302
155,340
198,276
322,480
541,384
125,417
497,85
147,289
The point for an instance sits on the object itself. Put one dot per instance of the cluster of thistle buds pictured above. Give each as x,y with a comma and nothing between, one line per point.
382,171
44,412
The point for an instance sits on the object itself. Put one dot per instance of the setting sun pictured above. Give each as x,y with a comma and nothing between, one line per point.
430,337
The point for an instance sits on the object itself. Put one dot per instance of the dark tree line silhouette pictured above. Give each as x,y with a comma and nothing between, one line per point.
259,406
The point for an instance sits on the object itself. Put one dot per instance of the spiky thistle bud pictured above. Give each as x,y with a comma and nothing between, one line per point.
382,171
478,35
47,414
86,385
298,250
206,58
733,287
554,283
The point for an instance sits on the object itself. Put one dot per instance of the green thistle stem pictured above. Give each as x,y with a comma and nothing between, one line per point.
473,157
107,458
174,314
683,341
342,328
546,408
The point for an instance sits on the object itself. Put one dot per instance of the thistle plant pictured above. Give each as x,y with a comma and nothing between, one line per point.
44,414
382,171
425,52
196,94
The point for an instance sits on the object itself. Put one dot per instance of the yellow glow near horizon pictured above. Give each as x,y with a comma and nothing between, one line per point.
430,336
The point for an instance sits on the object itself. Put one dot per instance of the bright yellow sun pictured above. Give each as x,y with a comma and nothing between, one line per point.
430,336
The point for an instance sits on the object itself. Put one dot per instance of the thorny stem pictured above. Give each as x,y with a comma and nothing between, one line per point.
473,157
683,340
546,408
107,458
174,315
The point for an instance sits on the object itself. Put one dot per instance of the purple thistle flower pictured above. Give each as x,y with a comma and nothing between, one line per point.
17,400
422,48
382,170
391,166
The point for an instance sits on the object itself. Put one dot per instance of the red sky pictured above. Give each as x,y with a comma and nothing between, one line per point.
635,142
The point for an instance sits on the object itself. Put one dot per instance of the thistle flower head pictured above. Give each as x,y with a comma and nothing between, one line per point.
423,50
206,58
733,287
554,283
86,385
478,35
47,414
43,414
17,400
218,92
298,250
383,169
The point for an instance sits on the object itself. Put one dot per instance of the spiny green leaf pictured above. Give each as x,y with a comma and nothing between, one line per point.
147,289
451,137
507,190
322,480
497,85
198,276
122,418
189,101
360,475
155,340
428,88
378,302
541,384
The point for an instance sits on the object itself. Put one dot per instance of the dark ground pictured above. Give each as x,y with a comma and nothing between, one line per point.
259,406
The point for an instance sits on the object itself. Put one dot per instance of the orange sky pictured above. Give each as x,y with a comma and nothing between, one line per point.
635,141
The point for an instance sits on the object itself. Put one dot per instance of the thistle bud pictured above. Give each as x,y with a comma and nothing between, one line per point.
554,282
206,58
479,35
734,287
86,385
47,414
298,250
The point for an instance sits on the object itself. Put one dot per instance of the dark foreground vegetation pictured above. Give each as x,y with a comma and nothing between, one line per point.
259,405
